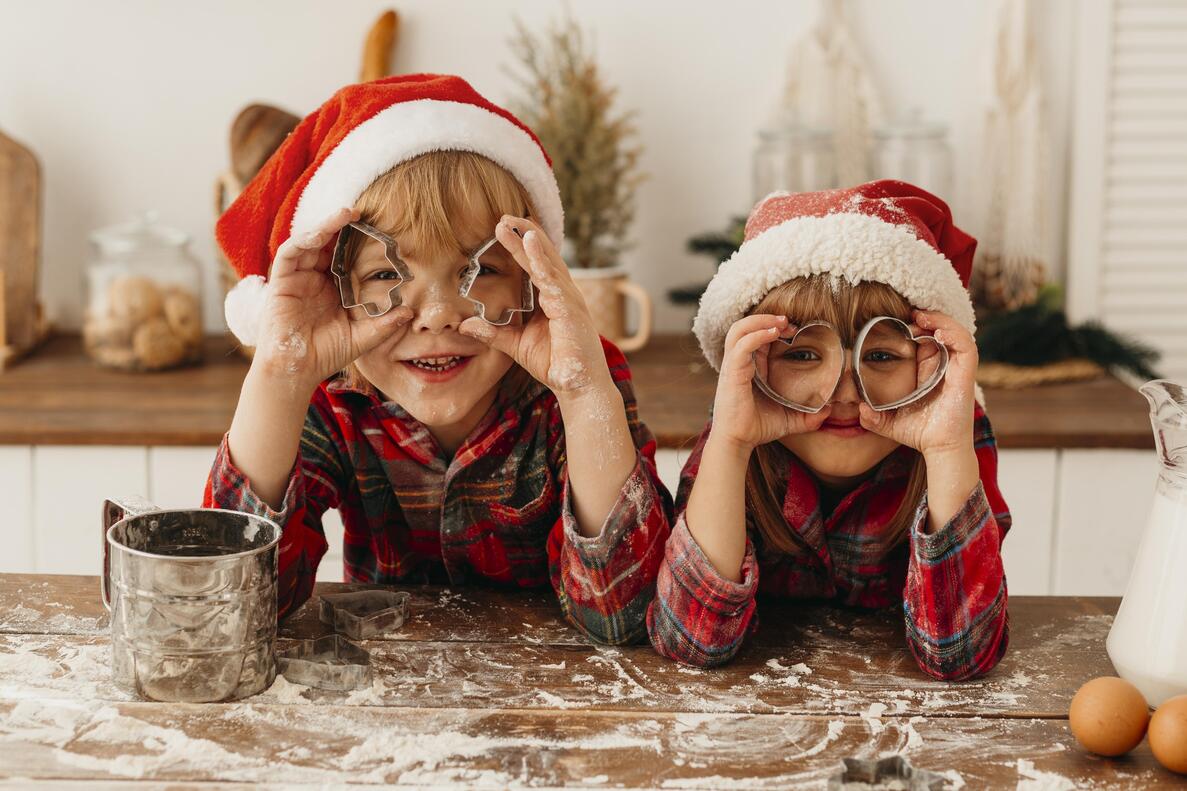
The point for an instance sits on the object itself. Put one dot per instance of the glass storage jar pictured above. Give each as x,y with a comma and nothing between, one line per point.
143,307
791,157
914,150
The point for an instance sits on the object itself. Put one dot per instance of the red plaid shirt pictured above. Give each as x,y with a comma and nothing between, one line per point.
951,582
498,511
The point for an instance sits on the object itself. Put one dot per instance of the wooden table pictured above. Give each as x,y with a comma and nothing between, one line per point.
488,688
59,397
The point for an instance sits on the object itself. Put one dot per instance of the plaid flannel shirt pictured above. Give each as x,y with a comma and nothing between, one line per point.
498,511
951,583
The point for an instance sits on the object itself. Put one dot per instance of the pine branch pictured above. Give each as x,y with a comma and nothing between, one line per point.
594,156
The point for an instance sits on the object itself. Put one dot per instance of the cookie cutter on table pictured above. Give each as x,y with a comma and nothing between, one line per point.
893,771
364,614
330,662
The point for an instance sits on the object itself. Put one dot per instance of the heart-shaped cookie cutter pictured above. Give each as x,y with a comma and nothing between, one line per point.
919,392
855,364
331,662
364,614
790,342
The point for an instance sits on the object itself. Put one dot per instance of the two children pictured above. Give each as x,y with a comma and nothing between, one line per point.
461,450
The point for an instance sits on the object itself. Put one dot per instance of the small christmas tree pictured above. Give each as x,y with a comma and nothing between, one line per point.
570,108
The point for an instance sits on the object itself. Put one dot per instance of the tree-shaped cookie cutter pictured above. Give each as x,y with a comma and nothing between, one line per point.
361,615
893,771
527,296
330,662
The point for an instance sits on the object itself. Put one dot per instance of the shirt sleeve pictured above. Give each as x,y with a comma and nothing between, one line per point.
954,604
314,486
698,616
605,582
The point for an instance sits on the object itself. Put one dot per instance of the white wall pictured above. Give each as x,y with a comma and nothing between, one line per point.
128,103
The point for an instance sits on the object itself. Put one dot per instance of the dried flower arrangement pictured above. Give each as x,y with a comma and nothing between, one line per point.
594,154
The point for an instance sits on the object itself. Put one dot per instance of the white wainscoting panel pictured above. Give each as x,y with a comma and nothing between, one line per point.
177,475
1101,510
69,485
1028,479
16,486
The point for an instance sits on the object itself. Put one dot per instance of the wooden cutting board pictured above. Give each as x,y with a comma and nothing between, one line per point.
21,322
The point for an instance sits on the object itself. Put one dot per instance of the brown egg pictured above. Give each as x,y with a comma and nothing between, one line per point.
1168,734
1108,716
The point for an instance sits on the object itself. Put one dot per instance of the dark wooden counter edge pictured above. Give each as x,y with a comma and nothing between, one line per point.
58,397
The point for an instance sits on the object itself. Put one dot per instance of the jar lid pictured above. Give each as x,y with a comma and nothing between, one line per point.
785,125
911,124
139,234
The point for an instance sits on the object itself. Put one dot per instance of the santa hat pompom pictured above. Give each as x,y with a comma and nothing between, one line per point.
243,306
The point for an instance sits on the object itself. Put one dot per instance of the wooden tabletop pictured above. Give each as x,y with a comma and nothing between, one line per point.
490,688
58,397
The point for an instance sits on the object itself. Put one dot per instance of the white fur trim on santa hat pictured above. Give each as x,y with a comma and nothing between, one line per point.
409,129
242,309
855,247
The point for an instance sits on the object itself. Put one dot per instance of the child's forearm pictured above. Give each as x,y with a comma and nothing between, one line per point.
266,430
600,452
952,475
716,513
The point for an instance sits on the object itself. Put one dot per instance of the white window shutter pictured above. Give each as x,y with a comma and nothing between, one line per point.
1127,235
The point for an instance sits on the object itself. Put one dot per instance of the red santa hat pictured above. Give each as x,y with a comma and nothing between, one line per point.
358,135
885,231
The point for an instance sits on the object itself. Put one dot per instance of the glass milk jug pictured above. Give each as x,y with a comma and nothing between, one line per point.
1148,641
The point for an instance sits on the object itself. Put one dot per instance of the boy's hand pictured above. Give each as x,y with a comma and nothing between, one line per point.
942,423
306,335
742,416
558,344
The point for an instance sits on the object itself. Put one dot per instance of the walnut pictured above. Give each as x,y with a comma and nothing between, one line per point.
156,346
184,315
134,299
107,331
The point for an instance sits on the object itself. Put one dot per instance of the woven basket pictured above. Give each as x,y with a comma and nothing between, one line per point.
1013,377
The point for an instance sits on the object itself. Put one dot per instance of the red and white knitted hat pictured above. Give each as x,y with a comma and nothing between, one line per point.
358,135
885,231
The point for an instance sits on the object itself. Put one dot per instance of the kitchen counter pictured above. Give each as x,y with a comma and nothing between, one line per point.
58,397
492,688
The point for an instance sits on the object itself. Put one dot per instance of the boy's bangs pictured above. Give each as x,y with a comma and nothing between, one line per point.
443,201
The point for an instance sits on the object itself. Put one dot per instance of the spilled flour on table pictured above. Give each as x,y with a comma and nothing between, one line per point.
59,623
1034,780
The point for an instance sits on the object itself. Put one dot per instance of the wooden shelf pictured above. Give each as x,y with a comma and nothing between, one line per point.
59,397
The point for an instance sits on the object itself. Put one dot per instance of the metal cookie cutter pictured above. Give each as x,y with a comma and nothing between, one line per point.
365,614
384,298
331,662
527,296
893,771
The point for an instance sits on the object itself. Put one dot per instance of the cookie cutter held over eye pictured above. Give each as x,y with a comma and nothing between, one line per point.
349,290
883,390
527,297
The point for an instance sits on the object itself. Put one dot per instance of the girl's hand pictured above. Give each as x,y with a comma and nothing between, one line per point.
558,344
742,416
943,421
306,334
